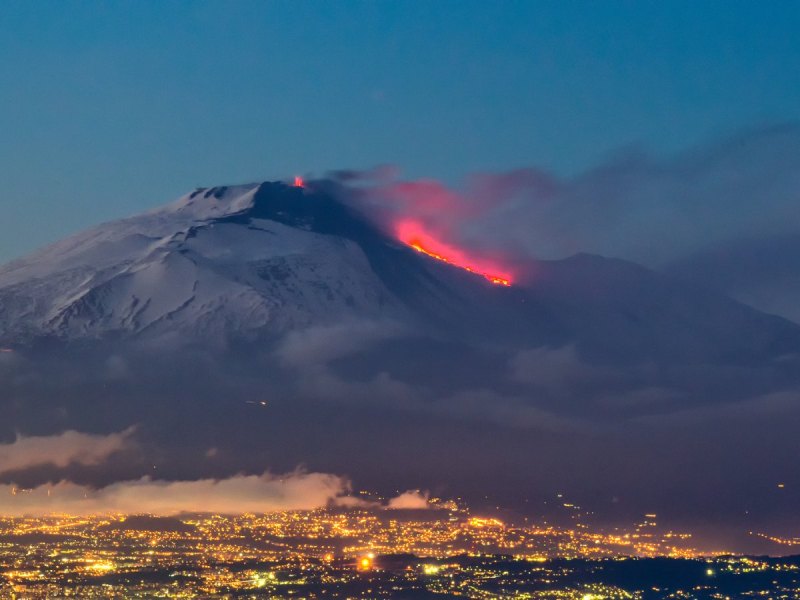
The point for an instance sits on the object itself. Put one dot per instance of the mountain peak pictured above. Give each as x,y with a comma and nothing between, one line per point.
253,262
213,202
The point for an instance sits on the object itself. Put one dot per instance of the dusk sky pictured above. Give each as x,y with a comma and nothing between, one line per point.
111,108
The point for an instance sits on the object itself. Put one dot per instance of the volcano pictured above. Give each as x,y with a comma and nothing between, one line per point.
249,264
271,325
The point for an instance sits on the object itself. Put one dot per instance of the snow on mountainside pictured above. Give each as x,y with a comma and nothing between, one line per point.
182,271
250,263
110,243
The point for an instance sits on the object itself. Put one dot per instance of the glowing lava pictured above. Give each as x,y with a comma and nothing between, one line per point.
298,181
413,234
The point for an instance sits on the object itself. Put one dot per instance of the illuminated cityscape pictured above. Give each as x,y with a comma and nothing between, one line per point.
400,300
441,552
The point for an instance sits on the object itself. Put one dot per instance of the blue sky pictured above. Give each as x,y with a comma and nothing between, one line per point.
109,108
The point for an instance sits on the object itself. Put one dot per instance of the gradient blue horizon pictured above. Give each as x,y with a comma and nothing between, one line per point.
110,108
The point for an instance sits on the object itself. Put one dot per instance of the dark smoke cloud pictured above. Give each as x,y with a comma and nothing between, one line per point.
646,209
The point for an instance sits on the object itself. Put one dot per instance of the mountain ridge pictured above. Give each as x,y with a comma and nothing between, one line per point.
254,262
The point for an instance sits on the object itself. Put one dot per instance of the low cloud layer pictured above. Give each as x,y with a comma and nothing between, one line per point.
234,495
69,447
317,345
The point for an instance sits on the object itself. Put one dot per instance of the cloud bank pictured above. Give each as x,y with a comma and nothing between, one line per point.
234,495
321,344
237,494
69,447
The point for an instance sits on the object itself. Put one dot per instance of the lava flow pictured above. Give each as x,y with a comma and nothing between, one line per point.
298,181
413,234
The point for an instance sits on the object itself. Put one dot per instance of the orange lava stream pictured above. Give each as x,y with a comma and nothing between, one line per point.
417,245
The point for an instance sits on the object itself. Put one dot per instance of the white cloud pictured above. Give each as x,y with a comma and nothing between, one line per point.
410,499
234,495
69,447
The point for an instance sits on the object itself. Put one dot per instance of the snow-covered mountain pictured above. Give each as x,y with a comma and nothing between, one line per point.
203,268
251,263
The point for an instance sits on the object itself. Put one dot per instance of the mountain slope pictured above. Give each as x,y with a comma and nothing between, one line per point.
762,272
187,270
251,263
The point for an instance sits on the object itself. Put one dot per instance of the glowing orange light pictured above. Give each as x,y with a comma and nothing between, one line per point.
298,181
485,522
365,563
414,235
